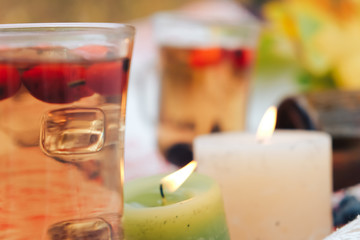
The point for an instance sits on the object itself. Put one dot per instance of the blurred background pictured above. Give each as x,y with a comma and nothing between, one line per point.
87,10
81,10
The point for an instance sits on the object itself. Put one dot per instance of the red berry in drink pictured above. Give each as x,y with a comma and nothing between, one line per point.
56,82
9,81
242,58
205,57
108,78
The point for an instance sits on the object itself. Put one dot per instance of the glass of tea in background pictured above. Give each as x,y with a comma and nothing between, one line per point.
62,117
205,71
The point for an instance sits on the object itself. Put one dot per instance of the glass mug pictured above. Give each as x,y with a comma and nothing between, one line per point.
62,117
205,72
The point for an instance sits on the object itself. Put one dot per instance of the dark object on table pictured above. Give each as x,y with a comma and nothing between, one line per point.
179,154
348,210
337,113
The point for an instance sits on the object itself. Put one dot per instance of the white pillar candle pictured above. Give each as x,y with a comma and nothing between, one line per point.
278,189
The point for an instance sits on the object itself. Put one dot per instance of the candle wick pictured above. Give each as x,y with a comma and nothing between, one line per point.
162,191
162,195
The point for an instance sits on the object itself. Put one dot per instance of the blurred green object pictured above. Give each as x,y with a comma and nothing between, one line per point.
274,54
309,82
317,40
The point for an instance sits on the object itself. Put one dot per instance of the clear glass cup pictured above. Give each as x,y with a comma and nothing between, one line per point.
62,118
205,69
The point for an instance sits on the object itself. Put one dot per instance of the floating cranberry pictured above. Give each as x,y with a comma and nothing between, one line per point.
108,78
56,82
242,58
205,57
9,81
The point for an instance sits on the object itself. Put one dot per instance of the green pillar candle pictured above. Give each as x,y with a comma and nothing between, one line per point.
195,211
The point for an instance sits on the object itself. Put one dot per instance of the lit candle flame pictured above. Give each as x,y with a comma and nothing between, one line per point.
173,181
267,124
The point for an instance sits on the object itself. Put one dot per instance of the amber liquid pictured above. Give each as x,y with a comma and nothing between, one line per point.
61,152
203,90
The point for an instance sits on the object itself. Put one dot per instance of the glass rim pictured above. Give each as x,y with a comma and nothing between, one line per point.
168,16
67,25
